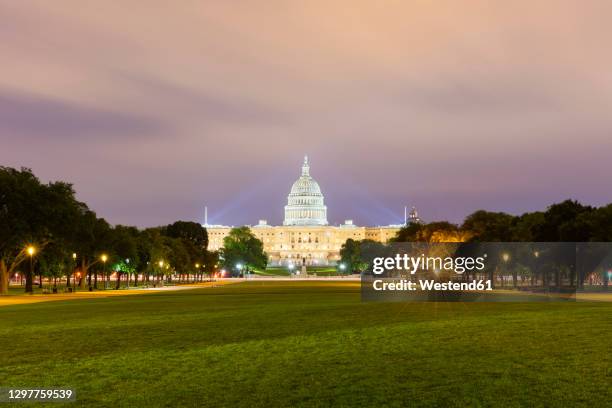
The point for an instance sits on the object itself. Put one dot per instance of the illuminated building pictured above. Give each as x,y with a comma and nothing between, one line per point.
305,236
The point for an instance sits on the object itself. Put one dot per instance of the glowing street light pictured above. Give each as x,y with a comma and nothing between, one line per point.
31,250
239,266
74,257
104,258
128,274
342,266
506,258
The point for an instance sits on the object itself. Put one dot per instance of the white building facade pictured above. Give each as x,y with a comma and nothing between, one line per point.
305,236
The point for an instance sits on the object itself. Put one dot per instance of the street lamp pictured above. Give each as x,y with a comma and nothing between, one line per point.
127,262
161,267
31,251
506,258
104,258
342,267
239,267
74,257
534,273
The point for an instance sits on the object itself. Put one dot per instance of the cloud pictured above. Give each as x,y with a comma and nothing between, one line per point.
452,106
473,95
206,106
30,116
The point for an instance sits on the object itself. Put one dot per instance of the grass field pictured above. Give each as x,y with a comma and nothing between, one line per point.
308,344
312,270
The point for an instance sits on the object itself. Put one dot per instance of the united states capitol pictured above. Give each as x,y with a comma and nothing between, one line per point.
306,238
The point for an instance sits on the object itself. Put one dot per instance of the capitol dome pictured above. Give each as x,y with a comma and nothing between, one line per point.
305,201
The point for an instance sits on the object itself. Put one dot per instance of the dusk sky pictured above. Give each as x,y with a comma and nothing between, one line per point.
155,109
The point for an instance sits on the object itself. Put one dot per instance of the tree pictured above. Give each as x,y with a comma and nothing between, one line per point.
124,248
599,223
31,213
242,247
210,262
194,240
151,251
440,231
409,233
55,261
358,255
565,222
350,255
177,256
92,238
485,226
188,231
525,227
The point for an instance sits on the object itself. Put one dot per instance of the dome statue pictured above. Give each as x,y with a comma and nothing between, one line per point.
305,201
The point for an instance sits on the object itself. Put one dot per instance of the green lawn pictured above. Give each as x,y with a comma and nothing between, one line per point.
308,344
312,270
273,271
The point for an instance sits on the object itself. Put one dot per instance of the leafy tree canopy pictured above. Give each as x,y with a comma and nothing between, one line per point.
242,247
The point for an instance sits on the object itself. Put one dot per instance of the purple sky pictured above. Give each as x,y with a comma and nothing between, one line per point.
155,110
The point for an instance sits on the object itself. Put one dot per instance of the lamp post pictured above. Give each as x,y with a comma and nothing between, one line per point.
239,267
127,262
534,273
104,258
74,257
31,251
342,267
197,266
161,267
505,258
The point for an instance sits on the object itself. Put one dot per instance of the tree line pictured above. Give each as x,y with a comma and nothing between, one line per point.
46,232
565,222
568,221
